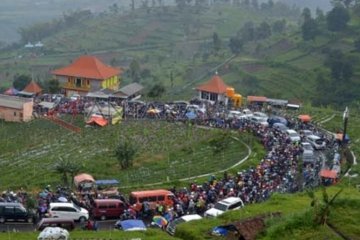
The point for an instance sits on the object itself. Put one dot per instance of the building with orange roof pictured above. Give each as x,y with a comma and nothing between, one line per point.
213,90
33,88
87,74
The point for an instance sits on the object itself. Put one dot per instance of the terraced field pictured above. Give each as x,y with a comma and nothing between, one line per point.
166,152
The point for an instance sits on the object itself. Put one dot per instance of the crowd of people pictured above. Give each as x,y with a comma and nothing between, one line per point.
278,170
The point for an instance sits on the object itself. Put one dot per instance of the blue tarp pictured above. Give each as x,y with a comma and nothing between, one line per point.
107,182
132,225
191,115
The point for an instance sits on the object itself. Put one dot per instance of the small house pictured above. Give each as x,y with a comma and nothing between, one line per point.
16,109
213,91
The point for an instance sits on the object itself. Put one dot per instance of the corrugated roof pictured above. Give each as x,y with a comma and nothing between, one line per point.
129,90
214,85
32,87
256,99
88,67
13,102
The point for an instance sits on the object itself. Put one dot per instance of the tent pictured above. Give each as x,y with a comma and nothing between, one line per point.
305,118
328,174
83,179
107,182
131,225
97,120
11,91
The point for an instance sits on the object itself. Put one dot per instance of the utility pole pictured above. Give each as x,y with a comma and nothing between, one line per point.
345,119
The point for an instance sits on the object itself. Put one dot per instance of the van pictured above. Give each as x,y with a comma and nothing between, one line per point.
153,197
15,212
107,208
68,210
227,204
171,227
65,223
293,135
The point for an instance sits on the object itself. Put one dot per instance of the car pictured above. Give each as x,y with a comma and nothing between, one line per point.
317,142
247,113
68,210
235,115
15,212
227,204
293,135
307,146
306,133
259,120
276,119
261,115
64,223
171,227
280,126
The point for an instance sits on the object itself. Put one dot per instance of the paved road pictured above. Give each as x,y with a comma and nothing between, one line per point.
27,227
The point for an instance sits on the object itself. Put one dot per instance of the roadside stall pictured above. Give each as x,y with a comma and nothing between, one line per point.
84,182
329,177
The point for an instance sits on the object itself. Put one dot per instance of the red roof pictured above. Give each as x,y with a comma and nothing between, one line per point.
87,67
33,87
214,85
99,120
256,99
328,173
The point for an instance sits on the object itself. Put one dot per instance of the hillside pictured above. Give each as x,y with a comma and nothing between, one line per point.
176,41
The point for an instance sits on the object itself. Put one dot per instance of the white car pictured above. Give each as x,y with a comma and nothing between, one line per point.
293,135
225,205
235,115
187,218
317,142
68,210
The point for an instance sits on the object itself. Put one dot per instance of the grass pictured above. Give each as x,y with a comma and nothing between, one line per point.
150,234
295,222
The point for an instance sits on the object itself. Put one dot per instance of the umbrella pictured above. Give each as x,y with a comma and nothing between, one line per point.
305,118
160,221
190,115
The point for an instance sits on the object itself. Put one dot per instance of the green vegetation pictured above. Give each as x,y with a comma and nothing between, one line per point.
296,221
150,234
30,152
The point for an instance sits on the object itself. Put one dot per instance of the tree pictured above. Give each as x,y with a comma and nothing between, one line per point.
236,45
157,91
216,42
337,19
357,45
322,209
320,17
309,29
21,81
125,153
135,70
255,4
341,67
263,31
279,26
65,167
306,14
52,86
247,32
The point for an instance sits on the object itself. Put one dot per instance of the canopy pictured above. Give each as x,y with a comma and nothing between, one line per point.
328,174
159,221
11,91
82,178
98,120
133,225
305,118
190,115
153,111
107,182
